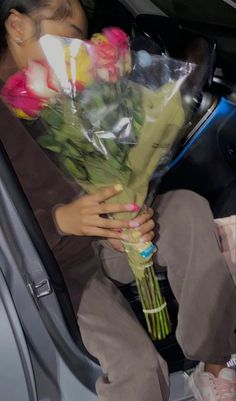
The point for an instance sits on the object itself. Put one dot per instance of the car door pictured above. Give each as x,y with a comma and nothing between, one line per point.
40,360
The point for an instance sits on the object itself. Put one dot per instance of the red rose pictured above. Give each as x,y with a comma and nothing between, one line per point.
18,96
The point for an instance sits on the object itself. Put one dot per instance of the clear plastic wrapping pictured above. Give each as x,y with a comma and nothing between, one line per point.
121,113
112,116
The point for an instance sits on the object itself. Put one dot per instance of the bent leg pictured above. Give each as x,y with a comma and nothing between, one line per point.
133,370
199,277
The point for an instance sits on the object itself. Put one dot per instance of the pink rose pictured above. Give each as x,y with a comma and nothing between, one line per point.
32,89
106,54
18,96
114,74
109,74
118,38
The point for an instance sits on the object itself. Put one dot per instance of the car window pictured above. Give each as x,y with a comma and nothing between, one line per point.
219,12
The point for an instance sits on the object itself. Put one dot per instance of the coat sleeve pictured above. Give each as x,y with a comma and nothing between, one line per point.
42,182
45,187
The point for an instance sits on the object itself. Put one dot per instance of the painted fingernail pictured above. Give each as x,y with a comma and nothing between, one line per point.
118,188
134,224
118,230
143,239
133,207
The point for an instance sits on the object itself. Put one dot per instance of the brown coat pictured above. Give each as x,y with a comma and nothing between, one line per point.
45,187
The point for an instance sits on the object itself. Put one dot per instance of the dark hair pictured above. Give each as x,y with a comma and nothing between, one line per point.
27,7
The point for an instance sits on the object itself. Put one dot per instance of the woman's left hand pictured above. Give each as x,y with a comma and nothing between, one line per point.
143,224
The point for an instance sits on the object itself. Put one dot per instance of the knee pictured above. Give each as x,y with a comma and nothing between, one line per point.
186,204
189,197
195,206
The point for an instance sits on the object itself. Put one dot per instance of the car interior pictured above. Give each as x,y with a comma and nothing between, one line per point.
194,38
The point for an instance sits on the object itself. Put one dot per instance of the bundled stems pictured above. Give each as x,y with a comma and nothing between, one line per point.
153,303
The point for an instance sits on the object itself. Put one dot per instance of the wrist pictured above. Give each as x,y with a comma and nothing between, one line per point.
59,217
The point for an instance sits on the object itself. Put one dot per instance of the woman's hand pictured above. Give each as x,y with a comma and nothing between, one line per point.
143,225
83,217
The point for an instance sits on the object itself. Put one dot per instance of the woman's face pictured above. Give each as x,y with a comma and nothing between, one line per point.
22,30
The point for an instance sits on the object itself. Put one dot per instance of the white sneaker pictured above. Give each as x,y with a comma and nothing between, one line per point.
206,387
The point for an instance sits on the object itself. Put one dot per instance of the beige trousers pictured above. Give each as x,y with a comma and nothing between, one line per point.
202,283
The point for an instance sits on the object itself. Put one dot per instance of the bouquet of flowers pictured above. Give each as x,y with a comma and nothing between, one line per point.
113,117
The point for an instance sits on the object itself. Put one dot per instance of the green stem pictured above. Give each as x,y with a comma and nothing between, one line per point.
148,295
164,314
158,302
144,306
155,302
145,297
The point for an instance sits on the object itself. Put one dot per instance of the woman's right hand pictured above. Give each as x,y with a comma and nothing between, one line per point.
83,216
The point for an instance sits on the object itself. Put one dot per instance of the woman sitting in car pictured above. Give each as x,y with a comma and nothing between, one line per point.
71,222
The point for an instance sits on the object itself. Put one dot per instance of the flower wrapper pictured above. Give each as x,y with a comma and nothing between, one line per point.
108,123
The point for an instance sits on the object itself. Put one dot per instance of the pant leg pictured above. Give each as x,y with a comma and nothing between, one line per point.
132,368
198,275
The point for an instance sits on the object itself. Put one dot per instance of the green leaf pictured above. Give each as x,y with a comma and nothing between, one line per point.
47,142
53,116
78,172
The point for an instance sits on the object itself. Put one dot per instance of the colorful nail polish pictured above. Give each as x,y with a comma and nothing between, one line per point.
118,188
134,224
133,207
143,240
